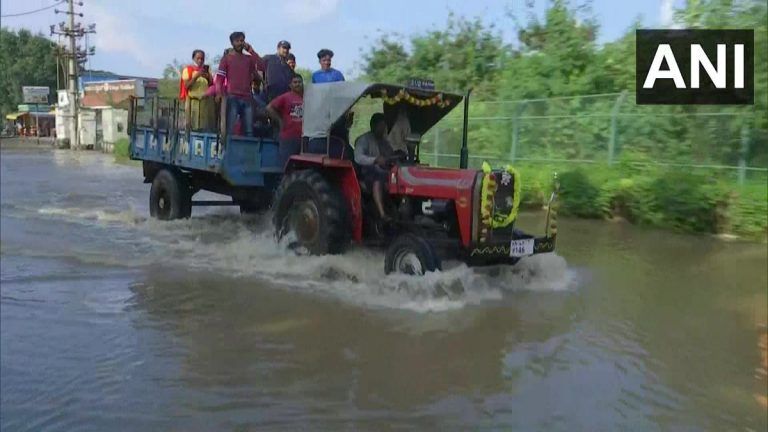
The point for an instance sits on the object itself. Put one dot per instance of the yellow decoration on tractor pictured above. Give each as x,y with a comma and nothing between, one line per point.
403,95
488,217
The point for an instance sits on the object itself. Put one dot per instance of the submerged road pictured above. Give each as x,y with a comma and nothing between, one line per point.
112,321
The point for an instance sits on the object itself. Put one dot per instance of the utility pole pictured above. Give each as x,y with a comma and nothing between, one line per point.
74,31
74,91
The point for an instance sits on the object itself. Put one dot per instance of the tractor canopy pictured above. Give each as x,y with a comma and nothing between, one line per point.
327,103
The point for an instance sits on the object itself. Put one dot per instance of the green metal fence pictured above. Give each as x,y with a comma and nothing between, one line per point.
600,129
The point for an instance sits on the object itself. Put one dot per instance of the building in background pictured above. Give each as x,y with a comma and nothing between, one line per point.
27,118
104,101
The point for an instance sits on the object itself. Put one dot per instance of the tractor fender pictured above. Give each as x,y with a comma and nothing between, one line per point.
340,173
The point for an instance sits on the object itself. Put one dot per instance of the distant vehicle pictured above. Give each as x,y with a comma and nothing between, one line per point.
316,199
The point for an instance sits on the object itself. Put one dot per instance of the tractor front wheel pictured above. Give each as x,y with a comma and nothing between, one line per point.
412,255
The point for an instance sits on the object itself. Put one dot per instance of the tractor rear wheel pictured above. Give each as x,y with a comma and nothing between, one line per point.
170,196
313,212
412,255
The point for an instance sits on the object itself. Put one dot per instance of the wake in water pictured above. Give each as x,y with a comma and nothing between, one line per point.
245,247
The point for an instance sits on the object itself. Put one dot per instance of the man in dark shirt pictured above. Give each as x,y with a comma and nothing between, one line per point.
278,72
239,70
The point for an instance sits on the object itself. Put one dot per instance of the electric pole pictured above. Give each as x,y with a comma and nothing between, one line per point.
75,57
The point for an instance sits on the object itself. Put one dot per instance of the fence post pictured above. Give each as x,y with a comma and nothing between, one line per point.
516,130
743,153
614,114
437,145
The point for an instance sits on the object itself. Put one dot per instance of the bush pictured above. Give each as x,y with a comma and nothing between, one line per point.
579,195
747,211
687,202
121,148
679,200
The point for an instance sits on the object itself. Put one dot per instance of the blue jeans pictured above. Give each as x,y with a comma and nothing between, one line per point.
242,107
288,148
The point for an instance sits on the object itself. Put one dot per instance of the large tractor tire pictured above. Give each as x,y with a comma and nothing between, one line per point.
412,255
313,211
170,196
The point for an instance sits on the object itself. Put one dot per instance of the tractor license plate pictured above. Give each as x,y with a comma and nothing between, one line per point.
521,248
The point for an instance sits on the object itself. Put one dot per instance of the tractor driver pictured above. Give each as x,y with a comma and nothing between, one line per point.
373,153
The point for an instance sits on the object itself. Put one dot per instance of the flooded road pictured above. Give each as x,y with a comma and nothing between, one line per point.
112,321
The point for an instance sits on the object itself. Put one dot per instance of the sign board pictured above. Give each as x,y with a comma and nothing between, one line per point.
423,84
35,95
111,86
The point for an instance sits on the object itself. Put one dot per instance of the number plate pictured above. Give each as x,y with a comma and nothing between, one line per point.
521,248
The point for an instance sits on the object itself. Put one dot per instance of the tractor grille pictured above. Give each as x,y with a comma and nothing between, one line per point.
496,203
505,191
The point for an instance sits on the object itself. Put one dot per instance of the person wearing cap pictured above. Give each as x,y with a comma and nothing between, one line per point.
326,73
278,72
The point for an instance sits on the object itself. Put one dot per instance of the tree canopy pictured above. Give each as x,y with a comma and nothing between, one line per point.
25,60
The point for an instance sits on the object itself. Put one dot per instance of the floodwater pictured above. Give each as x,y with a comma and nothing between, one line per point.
112,321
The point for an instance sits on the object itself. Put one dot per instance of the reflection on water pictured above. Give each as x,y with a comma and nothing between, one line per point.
114,321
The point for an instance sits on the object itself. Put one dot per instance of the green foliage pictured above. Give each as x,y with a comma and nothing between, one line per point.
580,196
168,88
121,149
466,53
683,201
25,60
305,73
172,70
748,210
687,201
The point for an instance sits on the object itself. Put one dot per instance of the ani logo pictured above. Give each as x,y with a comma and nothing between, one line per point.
681,67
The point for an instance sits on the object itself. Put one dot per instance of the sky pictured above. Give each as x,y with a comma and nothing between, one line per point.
139,37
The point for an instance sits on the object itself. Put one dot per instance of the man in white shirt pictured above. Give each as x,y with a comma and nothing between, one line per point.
372,153
400,130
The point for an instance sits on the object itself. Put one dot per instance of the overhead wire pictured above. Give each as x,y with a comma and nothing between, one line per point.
32,11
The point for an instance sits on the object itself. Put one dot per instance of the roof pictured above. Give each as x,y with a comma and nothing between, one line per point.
325,104
16,115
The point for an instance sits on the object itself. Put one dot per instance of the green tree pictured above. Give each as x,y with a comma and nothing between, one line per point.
25,60
467,53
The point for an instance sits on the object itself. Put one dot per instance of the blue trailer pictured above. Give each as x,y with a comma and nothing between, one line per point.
179,161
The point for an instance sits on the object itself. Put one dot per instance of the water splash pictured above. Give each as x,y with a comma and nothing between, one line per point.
245,247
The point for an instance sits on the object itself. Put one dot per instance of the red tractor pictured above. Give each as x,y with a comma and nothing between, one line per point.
436,213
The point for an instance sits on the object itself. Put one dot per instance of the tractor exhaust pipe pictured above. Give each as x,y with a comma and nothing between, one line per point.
464,158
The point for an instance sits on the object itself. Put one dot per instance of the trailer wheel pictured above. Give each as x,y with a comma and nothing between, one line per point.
170,196
410,254
309,208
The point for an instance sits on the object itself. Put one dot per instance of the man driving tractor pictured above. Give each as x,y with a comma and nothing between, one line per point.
373,153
